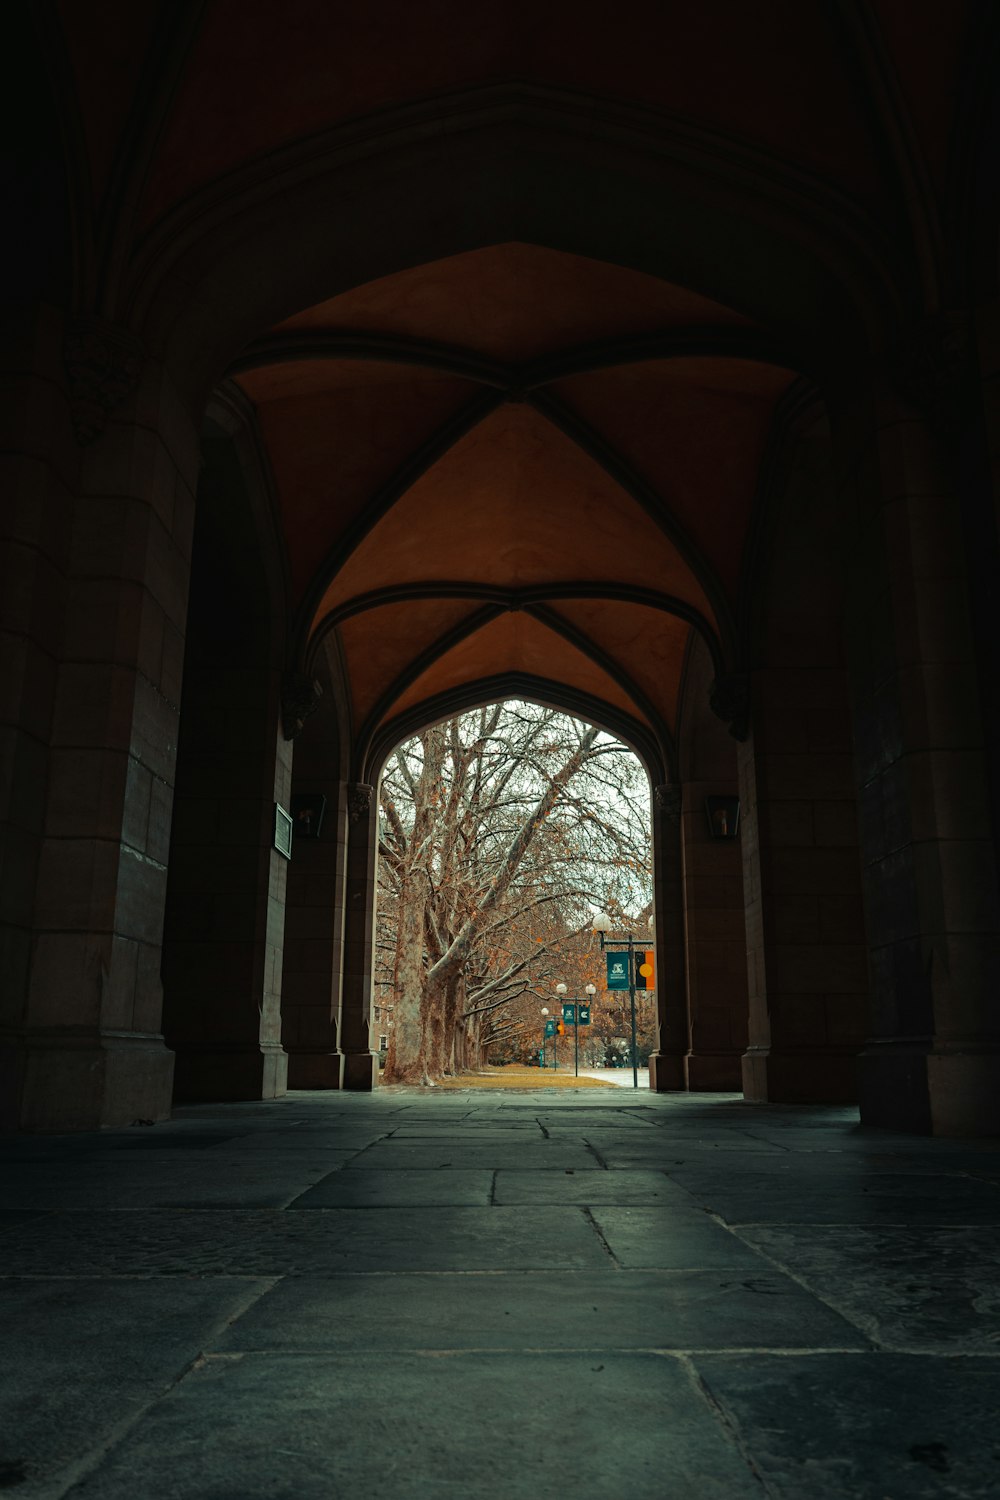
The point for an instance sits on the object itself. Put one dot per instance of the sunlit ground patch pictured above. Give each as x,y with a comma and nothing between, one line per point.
514,1077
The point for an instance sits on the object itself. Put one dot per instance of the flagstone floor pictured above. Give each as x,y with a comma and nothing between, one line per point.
406,1295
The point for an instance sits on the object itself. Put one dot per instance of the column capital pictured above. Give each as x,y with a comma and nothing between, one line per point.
359,800
300,695
103,362
729,700
934,367
667,799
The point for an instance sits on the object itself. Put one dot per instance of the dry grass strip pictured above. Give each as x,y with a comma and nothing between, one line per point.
521,1079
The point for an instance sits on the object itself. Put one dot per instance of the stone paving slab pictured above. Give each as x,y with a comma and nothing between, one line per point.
908,1288
383,1267
311,1139
9,1217
433,1156
585,1120
846,1427
277,1111
813,1165
112,1145
941,1201
112,1348
262,1242
231,1182
673,1238
597,1186
361,1189
531,1310
653,1151
465,1427
470,1135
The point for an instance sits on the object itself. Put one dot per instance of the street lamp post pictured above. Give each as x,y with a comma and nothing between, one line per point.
602,926
591,991
561,992
545,1011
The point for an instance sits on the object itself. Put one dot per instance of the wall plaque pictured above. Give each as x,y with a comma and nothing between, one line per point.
282,831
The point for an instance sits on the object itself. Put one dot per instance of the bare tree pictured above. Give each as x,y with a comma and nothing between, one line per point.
500,831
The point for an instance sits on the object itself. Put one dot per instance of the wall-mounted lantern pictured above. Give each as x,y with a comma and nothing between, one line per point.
723,815
307,812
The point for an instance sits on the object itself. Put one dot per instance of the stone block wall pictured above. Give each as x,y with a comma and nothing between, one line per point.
714,929
925,793
806,950
313,955
715,946
225,910
102,596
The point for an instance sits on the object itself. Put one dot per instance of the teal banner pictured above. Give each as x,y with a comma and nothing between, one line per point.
550,1028
569,1013
584,1015
617,971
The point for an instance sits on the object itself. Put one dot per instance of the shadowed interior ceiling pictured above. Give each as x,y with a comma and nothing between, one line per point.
508,461
518,461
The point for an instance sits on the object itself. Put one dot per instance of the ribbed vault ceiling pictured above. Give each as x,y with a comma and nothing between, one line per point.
513,463
515,460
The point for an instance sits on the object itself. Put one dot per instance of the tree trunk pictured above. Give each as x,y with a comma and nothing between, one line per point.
411,1056
454,1026
406,1059
436,1030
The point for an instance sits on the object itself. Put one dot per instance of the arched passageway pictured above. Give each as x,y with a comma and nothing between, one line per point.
663,407
503,833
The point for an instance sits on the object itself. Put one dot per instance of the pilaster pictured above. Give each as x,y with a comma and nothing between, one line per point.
924,748
311,1004
360,1061
222,963
715,945
88,1050
805,942
666,1062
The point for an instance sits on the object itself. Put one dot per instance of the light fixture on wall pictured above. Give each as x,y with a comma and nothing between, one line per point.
307,814
723,815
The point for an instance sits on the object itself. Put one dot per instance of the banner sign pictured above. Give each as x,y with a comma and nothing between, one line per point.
645,979
569,1013
584,1015
617,971
550,1028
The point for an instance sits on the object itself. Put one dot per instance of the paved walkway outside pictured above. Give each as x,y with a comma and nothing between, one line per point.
588,1296
620,1077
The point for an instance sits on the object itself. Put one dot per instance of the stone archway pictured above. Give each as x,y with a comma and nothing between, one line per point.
670,1025
331,263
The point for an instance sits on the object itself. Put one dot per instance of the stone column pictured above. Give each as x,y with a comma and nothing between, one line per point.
314,919
39,463
225,917
360,1065
715,944
932,1061
88,1043
801,875
714,927
666,1063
